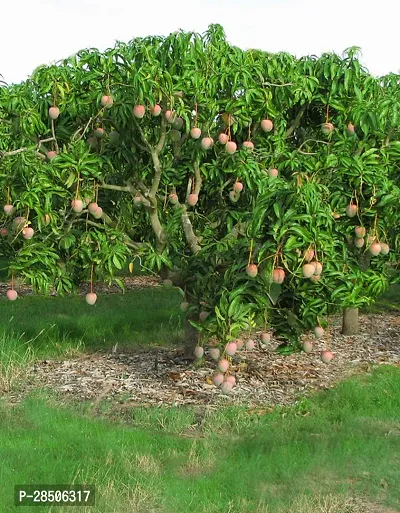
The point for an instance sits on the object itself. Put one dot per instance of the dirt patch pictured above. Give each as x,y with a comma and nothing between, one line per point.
159,376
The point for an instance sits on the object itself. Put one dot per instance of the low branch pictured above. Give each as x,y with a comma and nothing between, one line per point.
129,242
296,121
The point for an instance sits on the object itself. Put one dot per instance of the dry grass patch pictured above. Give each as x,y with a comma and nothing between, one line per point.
147,464
334,504
196,463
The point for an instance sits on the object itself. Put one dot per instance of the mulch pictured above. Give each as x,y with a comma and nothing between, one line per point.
162,377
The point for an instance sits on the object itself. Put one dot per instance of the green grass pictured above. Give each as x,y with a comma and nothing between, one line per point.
342,440
144,317
185,460
389,301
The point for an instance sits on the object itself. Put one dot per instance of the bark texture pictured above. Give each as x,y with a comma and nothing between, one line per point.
191,337
350,321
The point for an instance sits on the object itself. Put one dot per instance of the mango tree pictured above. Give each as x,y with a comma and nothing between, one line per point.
247,179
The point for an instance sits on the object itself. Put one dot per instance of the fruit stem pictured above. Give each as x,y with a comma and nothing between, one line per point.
327,114
251,252
375,223
8,194
166,196
55,93
91,280
77,187
12,280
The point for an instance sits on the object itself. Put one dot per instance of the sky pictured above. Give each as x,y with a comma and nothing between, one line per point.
35,32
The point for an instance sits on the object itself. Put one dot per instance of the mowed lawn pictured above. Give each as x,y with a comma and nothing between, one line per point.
143,317
306,459
168,460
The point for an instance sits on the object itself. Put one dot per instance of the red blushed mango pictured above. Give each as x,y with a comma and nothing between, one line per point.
195,133
223,138
231,147
155,110
278,275
267,125
193,199
91,298
12,294
252,270
54,112
139,111
77,205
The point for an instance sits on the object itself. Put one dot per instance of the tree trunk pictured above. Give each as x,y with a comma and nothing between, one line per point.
191,337
350,321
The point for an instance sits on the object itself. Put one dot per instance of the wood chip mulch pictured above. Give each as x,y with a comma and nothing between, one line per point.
159,376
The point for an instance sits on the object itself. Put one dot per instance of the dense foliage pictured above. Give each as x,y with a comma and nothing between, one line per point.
332,136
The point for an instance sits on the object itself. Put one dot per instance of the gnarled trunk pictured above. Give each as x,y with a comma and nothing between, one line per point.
350,321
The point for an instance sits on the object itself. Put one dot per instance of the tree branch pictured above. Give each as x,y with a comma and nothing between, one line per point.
158,229
143,148
141,186
84,130
157,175
163,135
197,175
310,140
190,236
121,188
296,121
13,152
129,242
147,147
126,188
53,133
279,85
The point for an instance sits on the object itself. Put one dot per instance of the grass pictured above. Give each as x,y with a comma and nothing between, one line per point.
389,301
307,459
341,441
144,317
